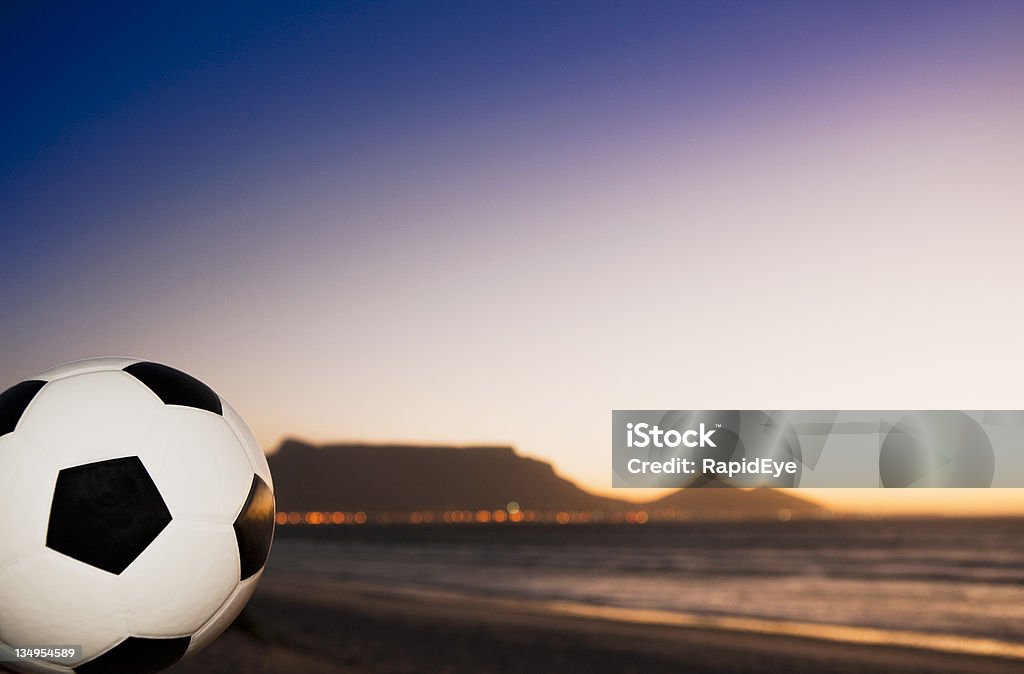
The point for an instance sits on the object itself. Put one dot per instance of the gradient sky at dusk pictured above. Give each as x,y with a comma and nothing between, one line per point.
495,222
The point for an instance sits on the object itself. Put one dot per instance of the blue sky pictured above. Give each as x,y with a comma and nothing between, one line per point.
468,222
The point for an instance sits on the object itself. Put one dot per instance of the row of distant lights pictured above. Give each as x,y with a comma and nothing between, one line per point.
511,514
455,517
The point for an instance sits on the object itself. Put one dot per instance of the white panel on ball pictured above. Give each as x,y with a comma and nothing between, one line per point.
50,599
204,473
93,417
179,583
26,484
225,615
249,442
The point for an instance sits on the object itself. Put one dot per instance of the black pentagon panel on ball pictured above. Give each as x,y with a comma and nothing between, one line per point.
106,513
14,401
136,655
174,387
254,528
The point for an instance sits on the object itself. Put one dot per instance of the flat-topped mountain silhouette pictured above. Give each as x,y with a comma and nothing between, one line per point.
405,478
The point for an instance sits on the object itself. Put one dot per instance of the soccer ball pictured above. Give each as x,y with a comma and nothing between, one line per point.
136,516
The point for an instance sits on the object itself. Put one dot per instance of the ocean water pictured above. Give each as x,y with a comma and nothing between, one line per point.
946,577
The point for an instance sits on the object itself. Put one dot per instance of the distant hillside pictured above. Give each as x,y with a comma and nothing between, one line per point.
728,503
403,478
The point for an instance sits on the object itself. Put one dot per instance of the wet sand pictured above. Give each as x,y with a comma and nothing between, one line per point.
316,627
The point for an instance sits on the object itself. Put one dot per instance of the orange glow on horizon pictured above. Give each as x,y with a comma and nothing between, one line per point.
884,503
921,502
